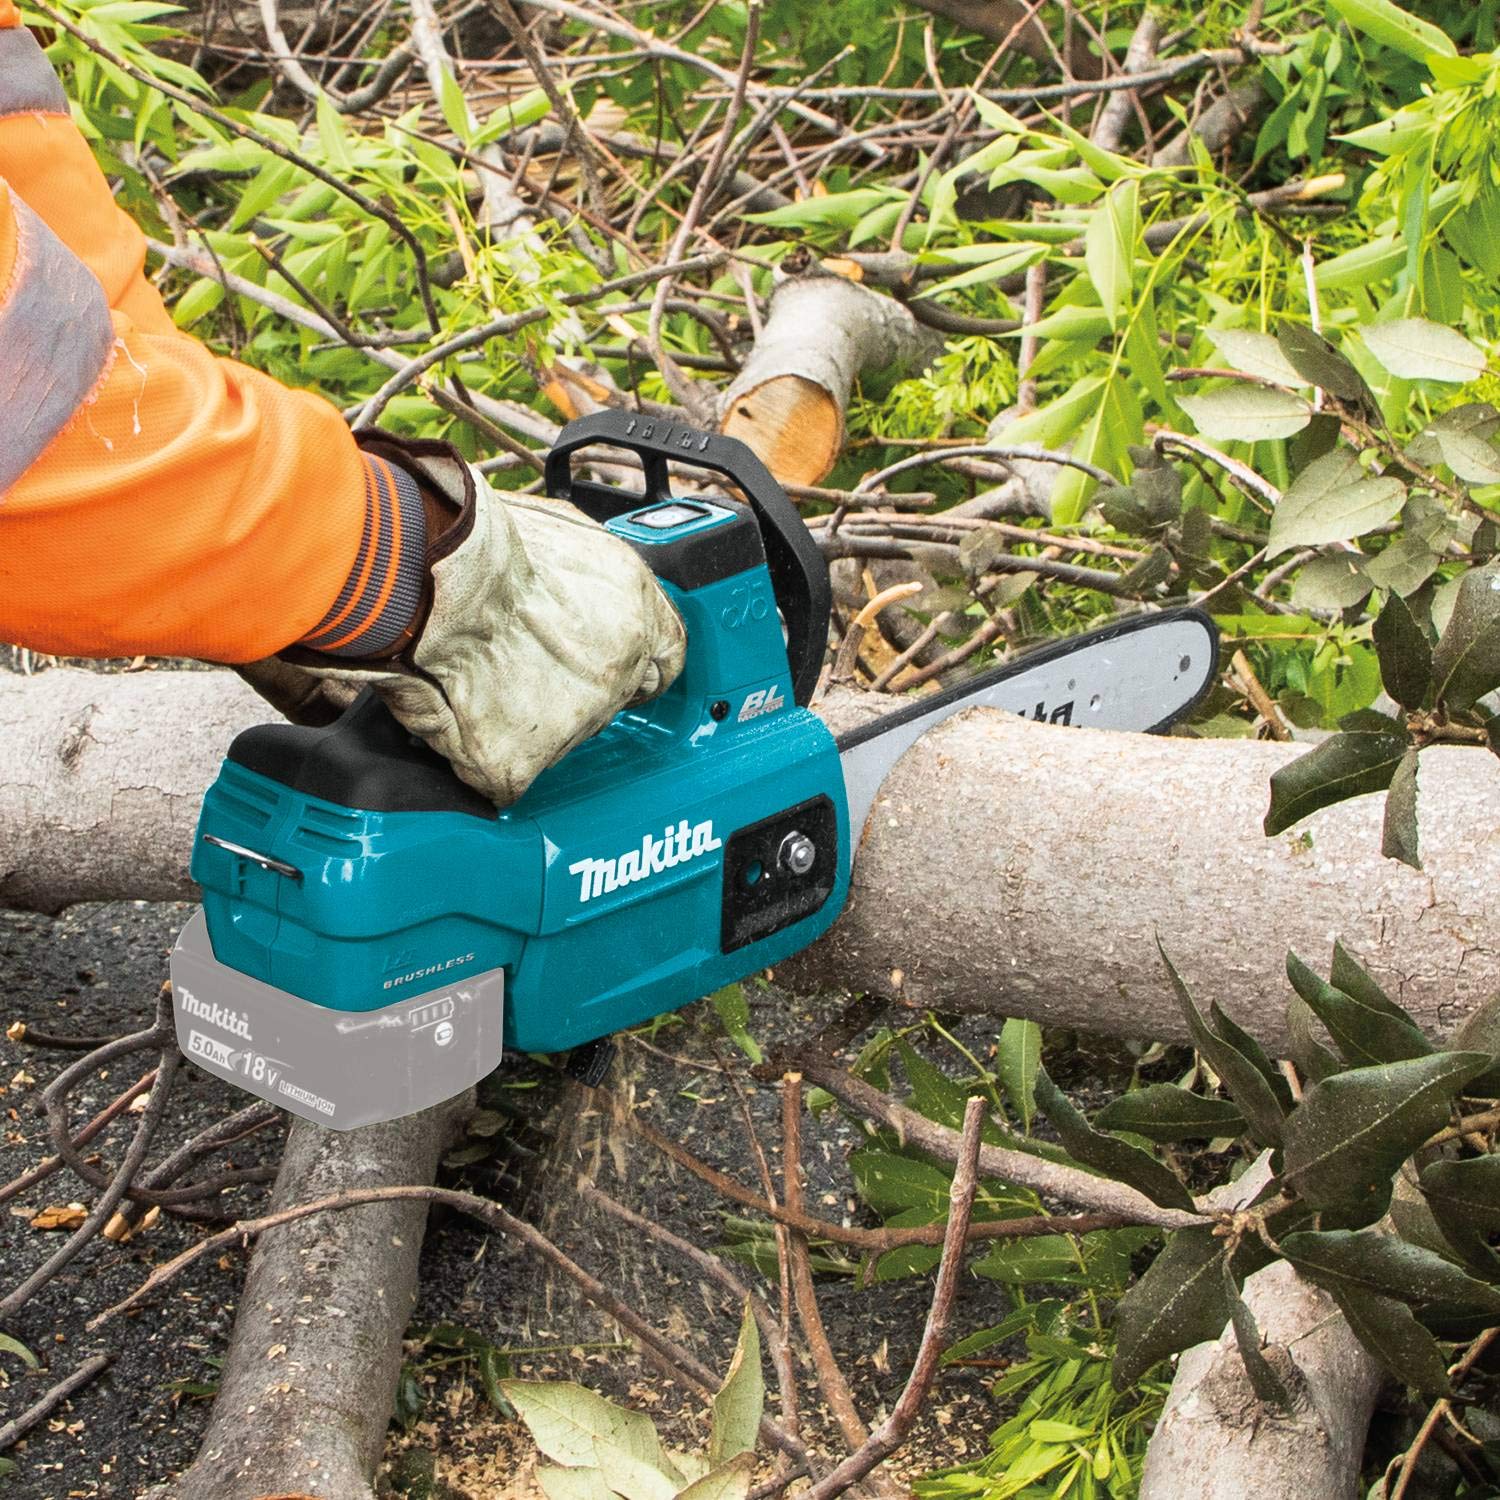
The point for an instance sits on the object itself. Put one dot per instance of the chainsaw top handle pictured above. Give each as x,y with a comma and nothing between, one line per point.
798,572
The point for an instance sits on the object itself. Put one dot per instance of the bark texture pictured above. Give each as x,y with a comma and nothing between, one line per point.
822,331
1216,1441
1007,867
312,1365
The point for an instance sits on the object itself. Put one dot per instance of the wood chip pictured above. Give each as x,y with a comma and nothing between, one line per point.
64,1216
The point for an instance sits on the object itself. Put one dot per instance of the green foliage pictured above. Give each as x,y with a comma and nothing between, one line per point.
1381,1109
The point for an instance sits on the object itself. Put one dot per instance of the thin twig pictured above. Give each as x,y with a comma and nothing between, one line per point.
38,1411
893,1431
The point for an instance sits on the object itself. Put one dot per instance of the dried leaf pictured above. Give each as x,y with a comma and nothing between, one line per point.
63,1216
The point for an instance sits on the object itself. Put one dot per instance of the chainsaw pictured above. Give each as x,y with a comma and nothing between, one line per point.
374,933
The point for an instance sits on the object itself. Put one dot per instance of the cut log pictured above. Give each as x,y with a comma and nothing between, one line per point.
1216,1441
310,1374
1008,867
822,332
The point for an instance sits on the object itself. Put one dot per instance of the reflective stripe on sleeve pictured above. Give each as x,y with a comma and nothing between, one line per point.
27,83
56,340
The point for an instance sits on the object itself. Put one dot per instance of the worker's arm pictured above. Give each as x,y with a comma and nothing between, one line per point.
157,500
154,498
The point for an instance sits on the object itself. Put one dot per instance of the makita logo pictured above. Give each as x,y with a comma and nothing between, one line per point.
675,847
232,1021
457,961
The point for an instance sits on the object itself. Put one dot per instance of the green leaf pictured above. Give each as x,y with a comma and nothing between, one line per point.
1164,1112
1398,835
1480,1032
1346,765
1473,459
1390,26
200,299
1227,1029
1466,660
1389,1331
1349,1134
574,1426
1404,565
1308,1052
1416,349
1047,1259
733,1011
1242,1077
573,1484
741,1399
1018,1057
1179,1302
1264,1381
1109,248
1370,1261
933,1094
1052,425
1476,419
1318,362
455,110
8,1345
1331,500
1122,1161
730,1481
1464,1197
1405,653
1366,1034
890,1183
1255,354
1354,980
1336,582
1247,413
1114,421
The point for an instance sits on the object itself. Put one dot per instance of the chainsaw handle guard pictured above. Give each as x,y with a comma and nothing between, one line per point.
798,572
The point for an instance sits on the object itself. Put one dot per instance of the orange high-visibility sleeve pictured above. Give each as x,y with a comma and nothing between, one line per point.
49,166
153,498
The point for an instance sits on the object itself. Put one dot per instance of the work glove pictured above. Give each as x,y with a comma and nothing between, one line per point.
538,626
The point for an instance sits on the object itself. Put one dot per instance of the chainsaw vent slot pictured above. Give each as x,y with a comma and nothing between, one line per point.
242,808
331,833
322,843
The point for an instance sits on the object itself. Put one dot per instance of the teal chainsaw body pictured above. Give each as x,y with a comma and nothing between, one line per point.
374,933
697,839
